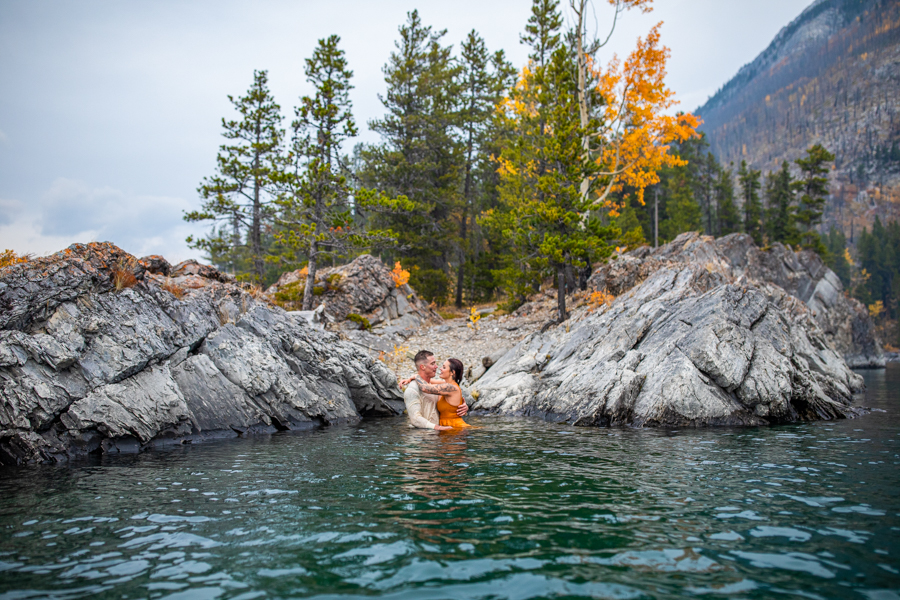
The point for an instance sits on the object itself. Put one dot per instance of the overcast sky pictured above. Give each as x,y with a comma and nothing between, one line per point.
110,114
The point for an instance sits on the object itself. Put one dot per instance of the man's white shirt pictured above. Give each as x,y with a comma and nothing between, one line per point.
421,409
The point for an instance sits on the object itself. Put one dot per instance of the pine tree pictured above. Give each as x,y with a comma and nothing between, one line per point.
541,172
317,208
240,195
750,185
780,224
729,218
420,155
683,213
542,32
706,179
482,81
812,189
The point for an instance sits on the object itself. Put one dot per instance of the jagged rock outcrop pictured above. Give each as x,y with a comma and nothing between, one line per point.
844,321
363,287
684,344
100,352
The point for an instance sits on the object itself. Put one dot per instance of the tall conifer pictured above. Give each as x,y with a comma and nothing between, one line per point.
419,156
812,189
317,207
482,82
729,218
780,225
753,211
240,194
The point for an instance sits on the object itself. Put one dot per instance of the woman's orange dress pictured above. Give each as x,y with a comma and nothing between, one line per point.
447,413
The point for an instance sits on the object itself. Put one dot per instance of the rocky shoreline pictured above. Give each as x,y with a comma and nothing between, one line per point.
104,352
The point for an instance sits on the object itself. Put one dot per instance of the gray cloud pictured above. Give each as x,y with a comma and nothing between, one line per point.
10,210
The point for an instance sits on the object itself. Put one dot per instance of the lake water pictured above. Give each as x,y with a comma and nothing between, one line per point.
516,509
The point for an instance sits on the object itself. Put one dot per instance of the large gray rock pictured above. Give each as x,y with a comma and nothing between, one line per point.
362,287
683,347
844,321
85,367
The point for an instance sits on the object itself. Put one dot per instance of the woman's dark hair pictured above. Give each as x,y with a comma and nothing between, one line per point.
456,367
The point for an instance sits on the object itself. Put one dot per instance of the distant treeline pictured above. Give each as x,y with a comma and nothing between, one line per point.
782,206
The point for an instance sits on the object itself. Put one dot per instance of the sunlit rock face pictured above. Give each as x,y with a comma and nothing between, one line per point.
103,352
689,341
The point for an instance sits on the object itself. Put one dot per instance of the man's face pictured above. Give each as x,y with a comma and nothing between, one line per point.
429,367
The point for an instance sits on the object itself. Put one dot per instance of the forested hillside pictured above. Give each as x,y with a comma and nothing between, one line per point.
832,76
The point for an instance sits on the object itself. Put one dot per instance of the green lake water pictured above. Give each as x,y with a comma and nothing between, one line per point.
516,509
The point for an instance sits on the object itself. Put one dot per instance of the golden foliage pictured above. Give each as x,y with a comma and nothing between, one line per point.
399,275
9,257
632,143
473,318
848,258
599,298
876,309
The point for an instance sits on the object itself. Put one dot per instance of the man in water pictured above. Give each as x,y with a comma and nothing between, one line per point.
421,409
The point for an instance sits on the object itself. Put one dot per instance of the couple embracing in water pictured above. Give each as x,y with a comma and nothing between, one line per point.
435,403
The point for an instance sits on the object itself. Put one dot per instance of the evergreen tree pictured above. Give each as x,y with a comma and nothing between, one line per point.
749,180
683,213
542,32
837,257
541,173
316,206
729,218
878,254
240,194
780,225
420,154
812,189
482,80
707,177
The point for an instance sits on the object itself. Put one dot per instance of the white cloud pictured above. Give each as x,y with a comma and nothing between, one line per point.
25,237
3,136
72,211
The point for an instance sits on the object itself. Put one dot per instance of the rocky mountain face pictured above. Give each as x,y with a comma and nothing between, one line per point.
831,76
691,340
102,352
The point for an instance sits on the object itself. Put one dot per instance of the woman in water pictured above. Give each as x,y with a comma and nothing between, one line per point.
447,387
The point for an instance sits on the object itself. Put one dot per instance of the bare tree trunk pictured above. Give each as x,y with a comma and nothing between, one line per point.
310,275
463,233
561,292
256,225
656,219
460,274
579,6
570,278
235,242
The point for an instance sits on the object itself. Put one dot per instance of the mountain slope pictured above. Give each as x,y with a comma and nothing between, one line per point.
831,76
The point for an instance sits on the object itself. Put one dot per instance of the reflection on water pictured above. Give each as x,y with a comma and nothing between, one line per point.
516,509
